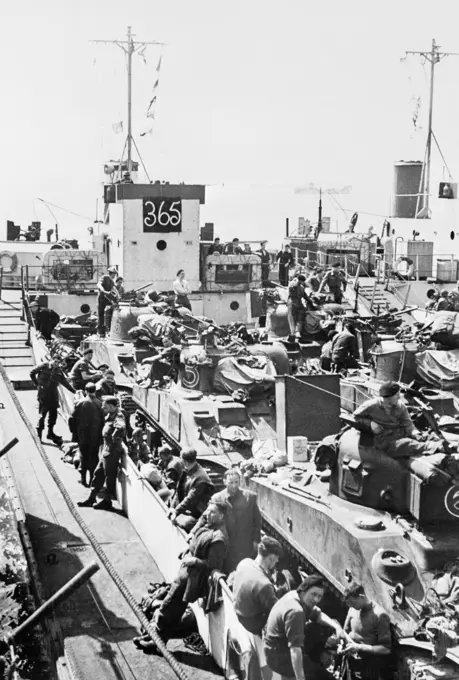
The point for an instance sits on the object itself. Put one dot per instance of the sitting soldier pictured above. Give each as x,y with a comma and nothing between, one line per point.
205,554
368,627
193,492
138,447
394,432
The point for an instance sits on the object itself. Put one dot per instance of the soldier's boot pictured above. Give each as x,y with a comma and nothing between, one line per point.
104,504
55,438
89,502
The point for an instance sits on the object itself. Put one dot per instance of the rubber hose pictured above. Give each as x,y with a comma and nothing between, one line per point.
124,590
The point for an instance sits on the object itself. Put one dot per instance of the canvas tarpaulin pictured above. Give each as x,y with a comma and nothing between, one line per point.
439,368
234,373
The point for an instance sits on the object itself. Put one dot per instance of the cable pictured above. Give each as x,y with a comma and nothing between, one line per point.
124,590
441,154
47,203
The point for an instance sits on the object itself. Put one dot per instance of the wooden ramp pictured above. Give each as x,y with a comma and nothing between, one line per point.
15,352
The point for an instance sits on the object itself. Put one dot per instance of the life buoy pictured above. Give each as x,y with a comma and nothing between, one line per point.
12,265
405,267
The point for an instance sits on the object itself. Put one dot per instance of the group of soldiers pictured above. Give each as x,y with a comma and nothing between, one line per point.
301,291
282,623
443,300
224,533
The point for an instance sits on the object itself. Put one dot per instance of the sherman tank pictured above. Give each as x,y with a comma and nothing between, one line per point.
356,515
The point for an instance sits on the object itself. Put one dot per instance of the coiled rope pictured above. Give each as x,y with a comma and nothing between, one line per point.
124,590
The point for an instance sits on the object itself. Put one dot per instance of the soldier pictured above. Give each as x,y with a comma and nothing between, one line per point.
106,386
193,492
170,467
205,554
139,451
285,643
87,425
265,262
83,371
368,627
243,522
47,376
394,432
107,296
104,478
296,309
285,259
335,279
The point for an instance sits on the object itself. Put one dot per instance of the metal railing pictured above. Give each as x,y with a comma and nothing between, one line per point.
61,277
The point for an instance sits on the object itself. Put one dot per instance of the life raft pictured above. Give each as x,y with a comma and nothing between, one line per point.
405,267
8,268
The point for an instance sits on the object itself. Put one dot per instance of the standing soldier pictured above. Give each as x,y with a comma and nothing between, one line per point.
88,421
107,296
47,376
336,281
104,478
285,259
265,262
295,303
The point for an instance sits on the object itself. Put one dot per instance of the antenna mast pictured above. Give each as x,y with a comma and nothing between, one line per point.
129,46
434,57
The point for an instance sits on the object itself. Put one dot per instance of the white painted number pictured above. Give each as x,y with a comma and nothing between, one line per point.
150,219
165,218
175,215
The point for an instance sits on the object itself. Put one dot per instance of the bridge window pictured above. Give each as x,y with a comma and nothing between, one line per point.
233,273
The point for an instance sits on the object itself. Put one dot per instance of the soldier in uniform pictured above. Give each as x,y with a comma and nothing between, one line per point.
107,295
47,376
243,521
87,423
335,279
104,478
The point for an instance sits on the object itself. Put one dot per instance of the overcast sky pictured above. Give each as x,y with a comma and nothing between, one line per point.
258,96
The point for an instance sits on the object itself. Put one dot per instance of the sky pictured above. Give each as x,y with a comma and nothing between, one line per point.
255,98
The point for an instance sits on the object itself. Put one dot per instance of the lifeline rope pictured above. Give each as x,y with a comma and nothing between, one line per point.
124,590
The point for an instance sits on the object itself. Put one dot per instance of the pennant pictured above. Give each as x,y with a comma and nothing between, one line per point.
150,114
147,132
141,53
118,127
158,68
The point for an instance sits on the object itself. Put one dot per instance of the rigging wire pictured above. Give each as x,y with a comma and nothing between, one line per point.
58,207
441,154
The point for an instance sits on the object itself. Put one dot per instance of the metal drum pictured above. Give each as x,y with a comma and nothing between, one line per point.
386,361
124,319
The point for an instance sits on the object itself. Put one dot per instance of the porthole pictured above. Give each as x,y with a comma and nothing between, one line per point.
161,245
234,305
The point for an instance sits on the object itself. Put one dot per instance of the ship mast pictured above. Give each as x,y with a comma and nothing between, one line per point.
129,46
434,57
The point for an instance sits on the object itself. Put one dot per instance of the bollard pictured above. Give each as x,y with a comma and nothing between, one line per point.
8,446
61,595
